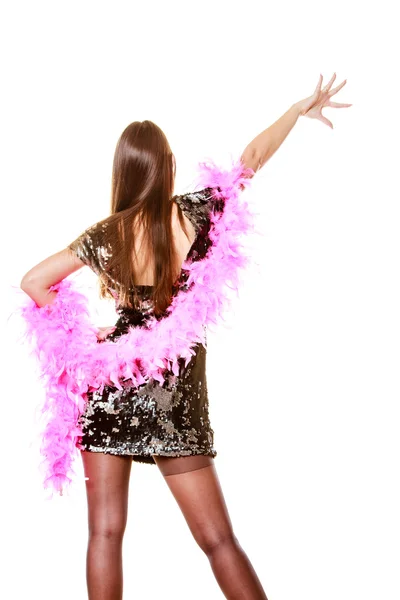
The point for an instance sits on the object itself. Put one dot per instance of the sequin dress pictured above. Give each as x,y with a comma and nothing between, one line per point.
171,419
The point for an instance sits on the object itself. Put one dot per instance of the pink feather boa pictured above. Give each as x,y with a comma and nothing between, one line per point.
71,360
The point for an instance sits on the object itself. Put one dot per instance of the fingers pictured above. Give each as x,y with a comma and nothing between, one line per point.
318,88
103,335
329,84
338,104
105,331
336,89
326,121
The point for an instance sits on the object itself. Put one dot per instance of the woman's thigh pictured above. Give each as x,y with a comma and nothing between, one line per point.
182,464
107,489
199,495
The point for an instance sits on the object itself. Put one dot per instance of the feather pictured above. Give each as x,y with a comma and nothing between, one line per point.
71,360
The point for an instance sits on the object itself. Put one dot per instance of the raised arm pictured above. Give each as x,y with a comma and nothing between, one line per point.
260,150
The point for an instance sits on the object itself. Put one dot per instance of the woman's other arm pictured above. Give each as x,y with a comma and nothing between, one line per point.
260,150
38,280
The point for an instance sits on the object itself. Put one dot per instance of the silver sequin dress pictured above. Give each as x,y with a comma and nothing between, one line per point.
171,419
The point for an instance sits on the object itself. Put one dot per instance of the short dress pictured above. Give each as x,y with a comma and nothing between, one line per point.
170,419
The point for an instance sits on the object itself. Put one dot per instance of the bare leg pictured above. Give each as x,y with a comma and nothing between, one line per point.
199,495
107,495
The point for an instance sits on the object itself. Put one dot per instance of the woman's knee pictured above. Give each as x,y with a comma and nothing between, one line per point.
211,541
112,529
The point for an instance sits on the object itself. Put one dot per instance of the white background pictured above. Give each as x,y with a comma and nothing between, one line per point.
304,386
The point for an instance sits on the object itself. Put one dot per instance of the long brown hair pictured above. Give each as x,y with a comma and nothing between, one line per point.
143,178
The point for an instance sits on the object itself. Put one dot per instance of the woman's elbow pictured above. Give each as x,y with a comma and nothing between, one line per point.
252,159
28,282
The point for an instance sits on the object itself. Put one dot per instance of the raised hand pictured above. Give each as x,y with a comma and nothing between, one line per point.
312,106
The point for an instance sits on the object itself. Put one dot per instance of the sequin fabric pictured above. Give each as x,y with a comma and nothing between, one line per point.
171,419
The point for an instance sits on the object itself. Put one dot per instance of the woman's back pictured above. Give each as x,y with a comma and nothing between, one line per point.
143,263
195,208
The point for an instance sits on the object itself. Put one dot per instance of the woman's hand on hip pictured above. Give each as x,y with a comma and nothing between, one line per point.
103,332
312,106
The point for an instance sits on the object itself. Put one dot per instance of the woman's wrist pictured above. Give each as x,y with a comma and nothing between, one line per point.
297,109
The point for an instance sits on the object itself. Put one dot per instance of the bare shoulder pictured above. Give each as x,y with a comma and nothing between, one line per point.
178,206
196,206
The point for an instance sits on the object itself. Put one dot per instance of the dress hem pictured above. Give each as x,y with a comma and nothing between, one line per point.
146,457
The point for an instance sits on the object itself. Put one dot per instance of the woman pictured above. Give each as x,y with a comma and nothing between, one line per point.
138,253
